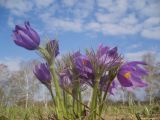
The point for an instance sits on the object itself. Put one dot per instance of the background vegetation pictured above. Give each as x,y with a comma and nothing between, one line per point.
22,96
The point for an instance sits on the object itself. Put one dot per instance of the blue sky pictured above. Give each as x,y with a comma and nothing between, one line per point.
132,25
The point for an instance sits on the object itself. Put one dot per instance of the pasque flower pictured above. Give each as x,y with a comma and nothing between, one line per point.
83,67
103,84
26,37
43,74
131,73
73,72
102,61
66,79
53,48
108,57
99,64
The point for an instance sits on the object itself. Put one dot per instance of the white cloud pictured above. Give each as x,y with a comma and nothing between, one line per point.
113,6
120,29
17,7
104,3
111,25
114,10
43,3
69,3
137,55
111,17
106,18
138,4
151,28
129,20
66,25
116,21
151,9
148,8
94,26
83,8
134,46
152,33
152,21
11,22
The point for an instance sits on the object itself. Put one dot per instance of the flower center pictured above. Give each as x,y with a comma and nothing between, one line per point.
84,62
127,75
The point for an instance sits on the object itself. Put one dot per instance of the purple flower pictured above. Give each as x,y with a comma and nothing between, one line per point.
98,65
108,57
43,74
103,84
70,80
53,48
83,66
26,37
65,78
131,73
76,54
102,63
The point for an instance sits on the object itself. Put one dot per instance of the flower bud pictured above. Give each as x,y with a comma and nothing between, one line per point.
26,37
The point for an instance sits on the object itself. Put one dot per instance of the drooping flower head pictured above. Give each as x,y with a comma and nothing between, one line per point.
53,48
26,37
131,73
43,74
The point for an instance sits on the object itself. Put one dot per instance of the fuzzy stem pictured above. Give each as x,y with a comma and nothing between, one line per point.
59,99
51,92
104,97
93,103
80,99
85,106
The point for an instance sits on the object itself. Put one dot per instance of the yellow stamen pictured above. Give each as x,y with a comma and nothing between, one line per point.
84,62
127,75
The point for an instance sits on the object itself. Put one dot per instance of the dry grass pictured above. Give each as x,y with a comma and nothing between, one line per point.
113,112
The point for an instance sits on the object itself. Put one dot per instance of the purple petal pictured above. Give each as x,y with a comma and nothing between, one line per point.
17,28
76,54
27,40
133,63
102,50
18,40
42,73
26,37
123,81
113,51
137,82
32,33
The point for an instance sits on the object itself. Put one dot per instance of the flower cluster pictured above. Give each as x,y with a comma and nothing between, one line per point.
27,37
98,69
